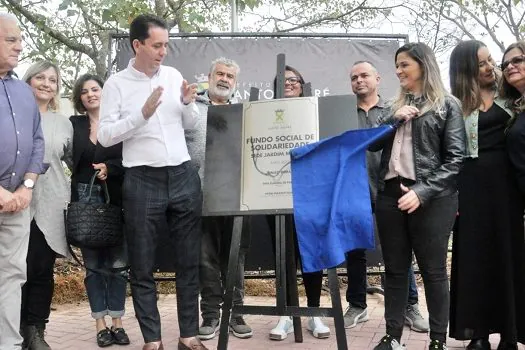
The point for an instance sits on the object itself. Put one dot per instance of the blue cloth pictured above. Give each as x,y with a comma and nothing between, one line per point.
331,197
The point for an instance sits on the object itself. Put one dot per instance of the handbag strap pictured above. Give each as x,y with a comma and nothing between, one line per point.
75,257
69,247
104,186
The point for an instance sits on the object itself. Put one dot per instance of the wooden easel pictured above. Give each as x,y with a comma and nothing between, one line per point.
285,267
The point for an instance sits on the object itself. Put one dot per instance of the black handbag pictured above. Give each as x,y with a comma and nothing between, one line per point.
94,225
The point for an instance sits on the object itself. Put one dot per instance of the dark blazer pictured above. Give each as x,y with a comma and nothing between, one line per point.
111,156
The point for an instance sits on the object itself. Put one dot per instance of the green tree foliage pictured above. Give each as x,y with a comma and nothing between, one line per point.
75,33
320,15
442,23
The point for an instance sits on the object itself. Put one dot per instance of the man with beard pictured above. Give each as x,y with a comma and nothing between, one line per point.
217,230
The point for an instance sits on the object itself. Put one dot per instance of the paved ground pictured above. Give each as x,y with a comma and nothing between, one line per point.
71,327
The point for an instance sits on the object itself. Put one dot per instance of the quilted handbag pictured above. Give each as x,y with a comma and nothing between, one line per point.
94,225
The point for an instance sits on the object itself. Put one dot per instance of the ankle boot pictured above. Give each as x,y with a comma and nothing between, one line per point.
35,337
479,344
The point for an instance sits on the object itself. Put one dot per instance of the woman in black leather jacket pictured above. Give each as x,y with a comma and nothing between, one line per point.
417,199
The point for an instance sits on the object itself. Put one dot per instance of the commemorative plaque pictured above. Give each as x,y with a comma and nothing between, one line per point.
270,130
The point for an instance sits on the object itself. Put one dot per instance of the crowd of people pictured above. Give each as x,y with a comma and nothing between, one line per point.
455,159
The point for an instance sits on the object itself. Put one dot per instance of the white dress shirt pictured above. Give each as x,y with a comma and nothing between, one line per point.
158,141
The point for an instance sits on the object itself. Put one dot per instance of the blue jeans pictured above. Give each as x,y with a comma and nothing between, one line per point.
412,287
106,273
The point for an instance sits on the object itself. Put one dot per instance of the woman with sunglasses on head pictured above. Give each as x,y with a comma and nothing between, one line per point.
490,226
47,238
293,87
417,196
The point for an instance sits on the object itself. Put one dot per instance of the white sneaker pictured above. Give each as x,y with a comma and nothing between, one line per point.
317,327
283,328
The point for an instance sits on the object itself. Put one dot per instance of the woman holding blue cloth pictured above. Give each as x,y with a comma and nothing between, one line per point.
417,194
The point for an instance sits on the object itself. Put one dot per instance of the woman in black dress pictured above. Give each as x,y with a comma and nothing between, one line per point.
513,89
483,289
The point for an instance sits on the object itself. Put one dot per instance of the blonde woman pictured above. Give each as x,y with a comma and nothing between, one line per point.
417,196
47,238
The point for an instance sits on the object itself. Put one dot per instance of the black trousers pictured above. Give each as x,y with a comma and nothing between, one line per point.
152,199
426,232
215,253
357,280
37,292
356,274
313,281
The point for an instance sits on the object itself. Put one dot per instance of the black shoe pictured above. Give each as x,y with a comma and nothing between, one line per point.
505,345
119,336
389,343
105,338
478,344
437,345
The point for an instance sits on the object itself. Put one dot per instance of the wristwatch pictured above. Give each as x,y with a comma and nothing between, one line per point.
28,183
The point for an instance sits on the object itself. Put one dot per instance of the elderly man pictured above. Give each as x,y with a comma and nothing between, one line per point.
147,106
365,83
21,157
215,246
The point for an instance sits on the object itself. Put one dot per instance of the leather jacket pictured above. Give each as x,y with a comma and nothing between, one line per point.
439,146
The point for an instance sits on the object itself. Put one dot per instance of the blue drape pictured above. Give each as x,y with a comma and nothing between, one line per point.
331,197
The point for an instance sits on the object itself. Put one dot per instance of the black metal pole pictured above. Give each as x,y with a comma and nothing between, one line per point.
233,265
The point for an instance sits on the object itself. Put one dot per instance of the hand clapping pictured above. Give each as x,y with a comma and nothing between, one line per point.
188,92
152,103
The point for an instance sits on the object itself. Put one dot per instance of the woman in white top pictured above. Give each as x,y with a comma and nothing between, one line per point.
47,238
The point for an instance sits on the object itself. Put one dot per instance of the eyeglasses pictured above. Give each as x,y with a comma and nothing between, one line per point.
517,60
292,80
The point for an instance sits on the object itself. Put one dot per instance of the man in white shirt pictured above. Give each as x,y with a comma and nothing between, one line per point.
147,106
